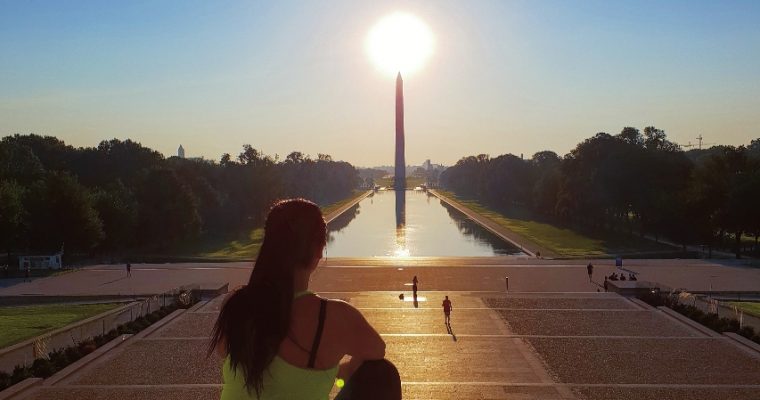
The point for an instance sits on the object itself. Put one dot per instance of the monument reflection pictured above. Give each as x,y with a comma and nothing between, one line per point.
410,223
401,249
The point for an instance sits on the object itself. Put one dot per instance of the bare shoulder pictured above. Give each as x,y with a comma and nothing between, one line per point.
344,311
341,306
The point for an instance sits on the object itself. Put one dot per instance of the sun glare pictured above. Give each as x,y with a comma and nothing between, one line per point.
400,42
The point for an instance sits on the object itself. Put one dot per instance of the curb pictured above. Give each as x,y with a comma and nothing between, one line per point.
111,348
197,306
689,322
336,213
744,344
107,348
19,388
154,327
642,304
86,360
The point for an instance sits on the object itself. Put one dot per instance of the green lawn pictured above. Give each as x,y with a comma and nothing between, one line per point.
563,241
247,247
326,210
20,323
748,307
242,248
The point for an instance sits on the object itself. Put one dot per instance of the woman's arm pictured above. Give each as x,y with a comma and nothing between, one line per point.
347,368
361,340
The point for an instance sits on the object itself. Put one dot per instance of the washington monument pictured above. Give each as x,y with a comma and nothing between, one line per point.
400,179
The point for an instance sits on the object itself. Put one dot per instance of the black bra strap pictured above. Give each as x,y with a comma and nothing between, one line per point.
318,335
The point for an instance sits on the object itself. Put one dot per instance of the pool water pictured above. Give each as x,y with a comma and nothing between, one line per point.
410,223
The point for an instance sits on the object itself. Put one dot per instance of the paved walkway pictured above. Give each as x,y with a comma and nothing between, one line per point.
502,346
460,274
552,336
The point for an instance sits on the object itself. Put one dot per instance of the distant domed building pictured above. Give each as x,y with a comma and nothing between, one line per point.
181,152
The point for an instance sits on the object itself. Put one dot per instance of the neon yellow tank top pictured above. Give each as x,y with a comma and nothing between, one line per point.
282,380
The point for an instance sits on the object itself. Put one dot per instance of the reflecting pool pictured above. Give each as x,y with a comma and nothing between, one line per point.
410,223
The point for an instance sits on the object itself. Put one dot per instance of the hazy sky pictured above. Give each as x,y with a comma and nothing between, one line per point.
505,76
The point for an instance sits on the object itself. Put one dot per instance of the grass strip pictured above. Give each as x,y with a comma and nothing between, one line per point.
25,322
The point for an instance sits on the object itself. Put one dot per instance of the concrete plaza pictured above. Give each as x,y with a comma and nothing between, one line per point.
455,274
553,336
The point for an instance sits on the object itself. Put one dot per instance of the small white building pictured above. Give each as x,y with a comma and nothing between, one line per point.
40,262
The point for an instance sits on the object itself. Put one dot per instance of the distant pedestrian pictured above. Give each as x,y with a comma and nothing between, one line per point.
129,269
447,311
605,283
414,287
590,269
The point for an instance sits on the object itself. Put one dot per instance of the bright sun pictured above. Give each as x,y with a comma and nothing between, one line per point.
399,42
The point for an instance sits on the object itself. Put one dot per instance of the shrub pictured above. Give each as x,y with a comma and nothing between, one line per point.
87,347
5,380
58,358
100,340
42,368
132,327
747,332
712,321
142,323
73,354
20,373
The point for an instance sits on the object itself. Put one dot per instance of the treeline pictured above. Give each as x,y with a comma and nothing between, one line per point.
122,197
635,182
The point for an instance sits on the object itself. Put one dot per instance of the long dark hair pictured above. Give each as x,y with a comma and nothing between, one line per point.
255,319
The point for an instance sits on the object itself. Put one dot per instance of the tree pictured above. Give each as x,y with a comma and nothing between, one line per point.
631,136
11,215
117,208
121,196
655,139
61,211
295,157
167,211
226,160
547,182
18,162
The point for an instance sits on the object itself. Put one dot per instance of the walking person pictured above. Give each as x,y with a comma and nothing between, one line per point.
590,269
28,274
280,340
414,287
129,269
447,311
